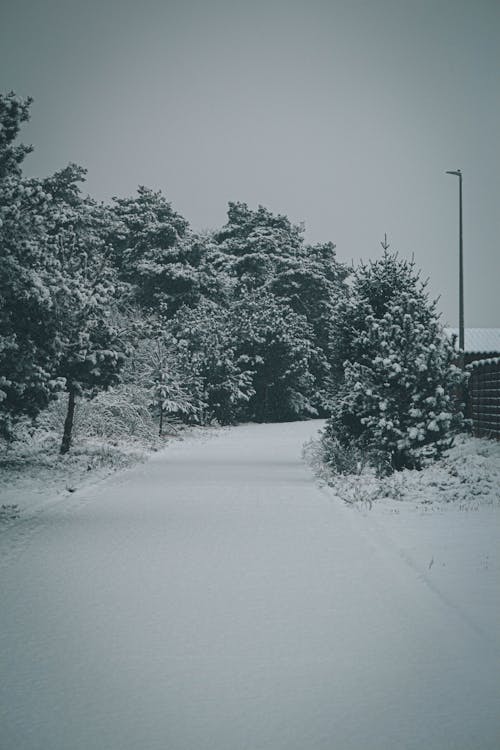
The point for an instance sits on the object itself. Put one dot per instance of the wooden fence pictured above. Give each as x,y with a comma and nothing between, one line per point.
484,397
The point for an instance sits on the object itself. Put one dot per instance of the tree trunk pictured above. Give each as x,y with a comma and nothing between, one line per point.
68,422
265,416
161,420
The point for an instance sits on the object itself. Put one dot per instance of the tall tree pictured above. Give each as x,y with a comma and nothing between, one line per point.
91,348
56,286
314,286
154,252
277,345
255,242
267,252
29,278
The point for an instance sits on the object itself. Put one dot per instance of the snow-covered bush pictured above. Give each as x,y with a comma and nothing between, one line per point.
350,457
465,478
347,469
398,393
122,413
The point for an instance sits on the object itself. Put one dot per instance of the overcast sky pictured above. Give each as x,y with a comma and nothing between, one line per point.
343,114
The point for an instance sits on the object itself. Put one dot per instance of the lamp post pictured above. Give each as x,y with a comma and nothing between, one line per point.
461,342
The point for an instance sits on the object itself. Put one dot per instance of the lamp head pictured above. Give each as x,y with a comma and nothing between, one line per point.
458,173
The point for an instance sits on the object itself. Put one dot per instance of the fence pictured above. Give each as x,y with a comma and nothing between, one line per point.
484,397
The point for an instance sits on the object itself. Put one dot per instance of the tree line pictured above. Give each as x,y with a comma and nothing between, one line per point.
247,322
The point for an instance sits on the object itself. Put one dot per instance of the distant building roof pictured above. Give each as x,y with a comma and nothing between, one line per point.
479,340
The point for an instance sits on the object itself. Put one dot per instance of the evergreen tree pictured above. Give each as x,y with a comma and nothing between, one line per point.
56,288
263,251
29,278
154,252
207,344
254,357
397,393
14,111
313,286
277,346
254,243
91,348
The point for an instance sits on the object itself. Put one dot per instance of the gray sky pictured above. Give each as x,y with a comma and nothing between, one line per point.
343,114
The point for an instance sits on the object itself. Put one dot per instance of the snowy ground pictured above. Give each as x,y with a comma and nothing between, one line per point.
217,598
33,475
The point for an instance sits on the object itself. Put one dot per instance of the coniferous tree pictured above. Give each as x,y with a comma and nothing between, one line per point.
207,344
277,345
14,110
313,286
396,396
29,278
56,287
254,243
91,348
266,252
154,252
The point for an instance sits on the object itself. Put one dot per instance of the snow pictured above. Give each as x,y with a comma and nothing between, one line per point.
478,340
218,598
34,476
482,362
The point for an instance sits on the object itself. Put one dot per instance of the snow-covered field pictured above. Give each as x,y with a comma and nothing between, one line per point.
33,475
217,597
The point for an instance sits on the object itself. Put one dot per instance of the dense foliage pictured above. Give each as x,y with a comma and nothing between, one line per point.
57,288
125,304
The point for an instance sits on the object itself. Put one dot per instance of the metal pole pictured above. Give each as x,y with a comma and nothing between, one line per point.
461,329
461,332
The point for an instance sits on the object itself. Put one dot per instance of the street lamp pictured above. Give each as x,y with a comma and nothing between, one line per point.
461,343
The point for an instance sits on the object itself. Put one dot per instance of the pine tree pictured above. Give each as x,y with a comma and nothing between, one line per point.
14,111
154,252
255,242
313,286
207,345
266,252
277,345
29,277
91,348
397,393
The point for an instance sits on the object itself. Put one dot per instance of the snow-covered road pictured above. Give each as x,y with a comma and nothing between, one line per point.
216,599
